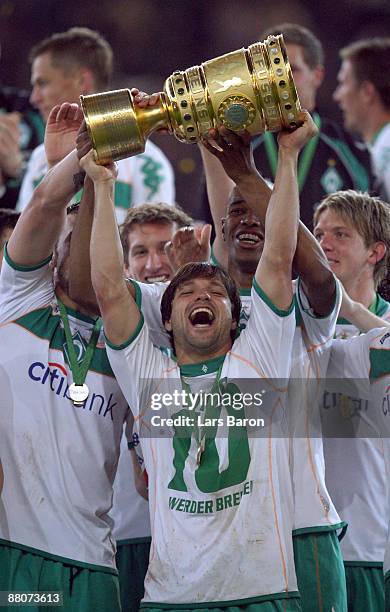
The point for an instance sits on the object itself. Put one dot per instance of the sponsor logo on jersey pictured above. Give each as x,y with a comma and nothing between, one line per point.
384,338
55,376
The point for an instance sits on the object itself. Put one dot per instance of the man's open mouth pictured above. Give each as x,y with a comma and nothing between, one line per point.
201,317
248,238
163,278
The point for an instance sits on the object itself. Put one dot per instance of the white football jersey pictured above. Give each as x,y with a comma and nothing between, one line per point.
130,511
364,364
59,460
142,178
220,513
355,468
311,349
380,153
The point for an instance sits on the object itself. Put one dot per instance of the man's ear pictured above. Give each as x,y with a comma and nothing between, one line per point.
87,81
168,325
234,325
369,92
319,74
378,251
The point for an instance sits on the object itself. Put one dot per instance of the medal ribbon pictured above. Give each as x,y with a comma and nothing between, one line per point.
200,438
306,158
79,370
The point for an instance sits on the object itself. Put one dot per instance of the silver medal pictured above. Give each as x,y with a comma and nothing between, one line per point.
78,393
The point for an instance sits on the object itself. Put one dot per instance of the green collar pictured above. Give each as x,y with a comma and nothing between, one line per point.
79,315
378,307
244,292
202,368
305,159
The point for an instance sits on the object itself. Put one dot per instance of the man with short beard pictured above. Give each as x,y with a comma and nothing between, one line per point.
201,310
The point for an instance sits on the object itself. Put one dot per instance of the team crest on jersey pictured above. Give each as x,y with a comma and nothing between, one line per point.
244,317
331,180
79,346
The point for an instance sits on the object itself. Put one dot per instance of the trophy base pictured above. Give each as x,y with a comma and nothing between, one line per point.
112,125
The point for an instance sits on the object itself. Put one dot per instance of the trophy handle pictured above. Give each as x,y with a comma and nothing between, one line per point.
117,127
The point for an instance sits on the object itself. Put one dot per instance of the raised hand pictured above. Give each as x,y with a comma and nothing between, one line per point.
10,154
98,174
83,141
296,140
61,130
233,149
189,244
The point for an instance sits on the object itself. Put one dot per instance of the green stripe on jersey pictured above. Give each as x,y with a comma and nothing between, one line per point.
47,326
20,268
65,560
263,603
119,347
356,170
379,363
266,299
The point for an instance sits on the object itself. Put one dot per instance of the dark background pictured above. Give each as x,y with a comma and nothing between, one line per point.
152,38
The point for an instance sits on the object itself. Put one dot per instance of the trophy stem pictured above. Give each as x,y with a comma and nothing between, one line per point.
117,127
155,117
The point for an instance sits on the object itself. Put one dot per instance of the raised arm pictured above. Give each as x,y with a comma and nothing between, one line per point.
39,226
235,154
359,315
219,187
273,272
120,314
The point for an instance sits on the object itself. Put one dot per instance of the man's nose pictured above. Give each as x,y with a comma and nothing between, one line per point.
250,218
204,295
326,242
34,96
154,261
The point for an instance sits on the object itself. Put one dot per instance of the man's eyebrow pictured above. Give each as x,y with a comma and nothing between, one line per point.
185,283
235,202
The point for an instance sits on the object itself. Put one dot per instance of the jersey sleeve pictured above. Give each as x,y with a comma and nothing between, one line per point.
359,356
35,171
148,298
153,178
268,336
319,330
23,289
136,365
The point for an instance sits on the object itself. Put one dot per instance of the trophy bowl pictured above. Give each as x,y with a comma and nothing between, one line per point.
249,89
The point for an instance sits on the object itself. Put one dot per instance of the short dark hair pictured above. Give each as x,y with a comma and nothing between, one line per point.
294,34
80,47
200,270
151,213
371,62
368,215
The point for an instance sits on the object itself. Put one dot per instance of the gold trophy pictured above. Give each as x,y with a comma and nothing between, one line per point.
250,89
